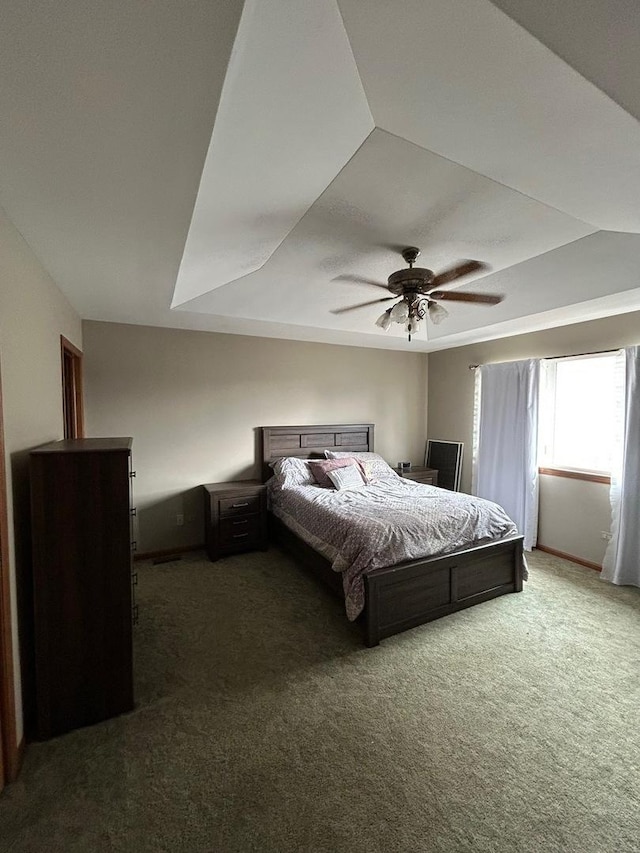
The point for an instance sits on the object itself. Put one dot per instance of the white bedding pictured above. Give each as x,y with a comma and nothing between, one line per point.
383,524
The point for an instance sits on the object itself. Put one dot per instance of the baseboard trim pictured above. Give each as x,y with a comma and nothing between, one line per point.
570,557
168,552
13,761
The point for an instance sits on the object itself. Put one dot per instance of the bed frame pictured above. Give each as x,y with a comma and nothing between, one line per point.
408,594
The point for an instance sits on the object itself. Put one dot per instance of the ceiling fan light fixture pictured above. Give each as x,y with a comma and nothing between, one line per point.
384,320
437,313
400,312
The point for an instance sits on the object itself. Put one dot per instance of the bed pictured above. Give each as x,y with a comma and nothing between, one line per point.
404,594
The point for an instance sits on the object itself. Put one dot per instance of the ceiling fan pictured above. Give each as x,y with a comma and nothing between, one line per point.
420,293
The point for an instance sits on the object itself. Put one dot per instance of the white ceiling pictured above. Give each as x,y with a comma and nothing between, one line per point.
222,166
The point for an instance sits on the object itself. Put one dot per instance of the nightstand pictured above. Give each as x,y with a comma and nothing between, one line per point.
428,476
235,517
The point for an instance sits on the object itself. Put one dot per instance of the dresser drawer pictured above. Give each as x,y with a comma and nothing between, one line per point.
239,505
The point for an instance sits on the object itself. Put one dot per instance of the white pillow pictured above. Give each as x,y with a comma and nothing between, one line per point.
359,454
348,477
375,468
291,471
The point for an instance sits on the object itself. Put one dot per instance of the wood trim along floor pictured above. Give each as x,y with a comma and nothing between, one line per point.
168,552
569,557
14,761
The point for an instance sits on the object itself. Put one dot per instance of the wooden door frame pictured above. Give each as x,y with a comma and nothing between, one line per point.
68,350
11,750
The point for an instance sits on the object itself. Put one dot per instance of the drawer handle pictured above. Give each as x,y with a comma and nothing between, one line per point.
237,506
244,521
240,535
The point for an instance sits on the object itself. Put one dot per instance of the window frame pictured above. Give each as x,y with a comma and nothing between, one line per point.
576,474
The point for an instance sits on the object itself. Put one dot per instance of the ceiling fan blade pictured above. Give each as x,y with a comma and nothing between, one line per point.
363,304
358,279
461,269
465,296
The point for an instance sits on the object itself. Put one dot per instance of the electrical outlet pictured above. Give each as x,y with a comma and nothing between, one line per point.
604,534
179,519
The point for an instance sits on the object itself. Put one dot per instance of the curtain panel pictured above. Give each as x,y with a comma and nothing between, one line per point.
621,563
506,464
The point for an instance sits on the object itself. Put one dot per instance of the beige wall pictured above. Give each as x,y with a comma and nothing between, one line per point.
572,513
33,315
192,402
573,516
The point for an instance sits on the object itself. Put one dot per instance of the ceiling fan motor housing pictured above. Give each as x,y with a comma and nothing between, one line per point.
415,279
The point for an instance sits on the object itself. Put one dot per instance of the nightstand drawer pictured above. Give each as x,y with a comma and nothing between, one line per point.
239,505
426,479
238,531
426,476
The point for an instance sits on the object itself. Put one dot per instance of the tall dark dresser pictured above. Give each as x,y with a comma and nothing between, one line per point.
82,582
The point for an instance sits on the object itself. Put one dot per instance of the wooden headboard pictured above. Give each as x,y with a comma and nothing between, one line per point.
309,441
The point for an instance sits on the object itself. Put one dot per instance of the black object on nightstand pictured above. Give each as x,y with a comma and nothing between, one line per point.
428,476
235,516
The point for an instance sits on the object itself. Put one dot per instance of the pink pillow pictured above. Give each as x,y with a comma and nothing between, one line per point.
320,467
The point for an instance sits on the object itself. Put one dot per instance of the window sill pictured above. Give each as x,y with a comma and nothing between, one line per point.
576,475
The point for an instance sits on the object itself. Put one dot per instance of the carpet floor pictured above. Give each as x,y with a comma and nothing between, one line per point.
263,724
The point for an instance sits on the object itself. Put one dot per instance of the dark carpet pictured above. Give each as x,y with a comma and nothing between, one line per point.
263,724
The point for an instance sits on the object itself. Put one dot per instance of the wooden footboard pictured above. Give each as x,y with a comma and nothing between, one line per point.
401,597
409,594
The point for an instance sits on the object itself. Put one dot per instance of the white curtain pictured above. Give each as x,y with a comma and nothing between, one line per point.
621,563
506,466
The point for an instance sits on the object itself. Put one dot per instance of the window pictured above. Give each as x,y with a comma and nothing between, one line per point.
581,400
